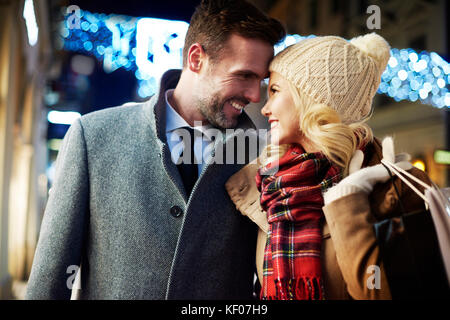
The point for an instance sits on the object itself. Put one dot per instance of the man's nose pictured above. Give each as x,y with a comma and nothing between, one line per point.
253,93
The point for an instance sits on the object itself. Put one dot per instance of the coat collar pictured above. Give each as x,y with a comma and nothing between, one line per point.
154,108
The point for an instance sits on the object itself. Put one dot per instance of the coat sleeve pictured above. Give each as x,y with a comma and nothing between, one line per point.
358,255
63,225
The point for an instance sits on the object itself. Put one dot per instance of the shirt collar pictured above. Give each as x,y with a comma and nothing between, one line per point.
173,119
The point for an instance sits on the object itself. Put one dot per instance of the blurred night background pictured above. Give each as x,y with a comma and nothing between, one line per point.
60,59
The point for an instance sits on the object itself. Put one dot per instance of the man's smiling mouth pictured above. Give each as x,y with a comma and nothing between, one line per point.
237,106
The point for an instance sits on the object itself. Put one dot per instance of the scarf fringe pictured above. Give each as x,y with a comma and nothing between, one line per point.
298,289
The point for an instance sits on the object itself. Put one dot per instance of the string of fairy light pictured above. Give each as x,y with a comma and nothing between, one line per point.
148,47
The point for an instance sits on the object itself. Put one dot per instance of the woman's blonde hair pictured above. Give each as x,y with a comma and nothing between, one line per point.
323,128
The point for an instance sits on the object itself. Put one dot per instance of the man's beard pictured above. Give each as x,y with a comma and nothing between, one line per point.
212,110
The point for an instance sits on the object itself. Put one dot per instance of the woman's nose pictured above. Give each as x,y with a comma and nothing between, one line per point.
265,110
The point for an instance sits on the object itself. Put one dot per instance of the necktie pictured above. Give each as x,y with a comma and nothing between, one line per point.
188,168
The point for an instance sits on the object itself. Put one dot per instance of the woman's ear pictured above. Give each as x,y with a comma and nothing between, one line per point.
196,57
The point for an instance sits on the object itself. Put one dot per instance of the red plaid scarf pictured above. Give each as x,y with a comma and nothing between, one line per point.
291,194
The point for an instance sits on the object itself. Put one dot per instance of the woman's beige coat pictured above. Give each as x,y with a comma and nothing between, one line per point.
349,246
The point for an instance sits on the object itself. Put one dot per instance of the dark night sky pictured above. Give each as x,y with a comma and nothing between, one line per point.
165,9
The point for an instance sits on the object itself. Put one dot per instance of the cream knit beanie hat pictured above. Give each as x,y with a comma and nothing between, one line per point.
342,74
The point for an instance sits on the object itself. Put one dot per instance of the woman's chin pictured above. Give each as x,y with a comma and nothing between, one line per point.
274,140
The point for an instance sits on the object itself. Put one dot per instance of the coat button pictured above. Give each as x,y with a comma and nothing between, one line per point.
176,211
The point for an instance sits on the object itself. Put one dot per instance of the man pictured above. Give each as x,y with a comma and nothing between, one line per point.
132,217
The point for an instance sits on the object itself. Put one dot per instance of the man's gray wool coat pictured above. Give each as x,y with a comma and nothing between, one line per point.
113,208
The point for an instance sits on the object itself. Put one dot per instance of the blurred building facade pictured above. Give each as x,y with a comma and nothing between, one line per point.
418,129
25,55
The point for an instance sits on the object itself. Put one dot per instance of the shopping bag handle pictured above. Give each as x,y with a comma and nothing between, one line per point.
402,173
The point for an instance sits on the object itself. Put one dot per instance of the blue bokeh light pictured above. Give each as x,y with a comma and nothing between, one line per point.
147,47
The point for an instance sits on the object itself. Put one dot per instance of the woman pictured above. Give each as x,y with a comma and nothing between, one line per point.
320,94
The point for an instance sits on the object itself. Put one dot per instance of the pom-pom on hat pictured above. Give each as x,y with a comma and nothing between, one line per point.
342,74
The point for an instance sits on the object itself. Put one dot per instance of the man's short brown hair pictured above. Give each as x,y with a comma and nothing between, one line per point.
215,20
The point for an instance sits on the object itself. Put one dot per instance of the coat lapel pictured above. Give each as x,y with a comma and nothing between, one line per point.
220,146
156,112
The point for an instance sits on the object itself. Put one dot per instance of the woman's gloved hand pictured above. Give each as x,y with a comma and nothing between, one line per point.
363,180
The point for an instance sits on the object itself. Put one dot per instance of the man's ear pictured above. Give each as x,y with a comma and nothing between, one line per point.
196,57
